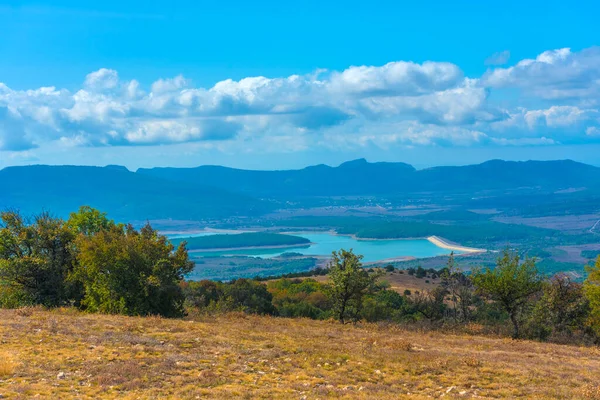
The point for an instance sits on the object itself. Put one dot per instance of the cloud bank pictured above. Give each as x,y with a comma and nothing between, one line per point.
554,99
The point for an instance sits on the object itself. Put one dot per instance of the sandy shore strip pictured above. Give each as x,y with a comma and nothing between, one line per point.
440,242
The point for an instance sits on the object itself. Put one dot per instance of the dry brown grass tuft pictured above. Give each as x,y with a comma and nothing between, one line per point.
7,366
24,311
591,392
118,373
399,344
208,378
472,361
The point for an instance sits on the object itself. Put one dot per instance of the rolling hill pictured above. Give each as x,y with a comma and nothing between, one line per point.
125,195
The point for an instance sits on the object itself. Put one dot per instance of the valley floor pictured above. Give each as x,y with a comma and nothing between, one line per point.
67,354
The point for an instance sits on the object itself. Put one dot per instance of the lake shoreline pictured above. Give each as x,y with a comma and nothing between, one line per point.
282,246
437,241
434,239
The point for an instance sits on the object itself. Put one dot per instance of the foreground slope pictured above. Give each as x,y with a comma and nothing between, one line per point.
64,354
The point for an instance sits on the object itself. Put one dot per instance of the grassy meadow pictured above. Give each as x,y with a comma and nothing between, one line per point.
67,354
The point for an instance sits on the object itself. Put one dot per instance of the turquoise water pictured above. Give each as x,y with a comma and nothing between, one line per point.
325,243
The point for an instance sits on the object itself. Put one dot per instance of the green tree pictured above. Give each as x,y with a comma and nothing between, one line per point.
460,289
562,308
349,283
89,221
203,293
511,283
383,305
125,271
36,258
429,304
591,288
250,296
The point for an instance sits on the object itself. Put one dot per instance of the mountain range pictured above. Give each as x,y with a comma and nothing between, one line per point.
360,177
216,192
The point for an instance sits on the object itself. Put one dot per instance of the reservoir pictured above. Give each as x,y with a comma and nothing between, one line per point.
323,243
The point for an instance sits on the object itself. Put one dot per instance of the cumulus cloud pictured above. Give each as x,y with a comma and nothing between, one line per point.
561,117
102,79
399,103
553,125
169,85
554,75
13,134
397,78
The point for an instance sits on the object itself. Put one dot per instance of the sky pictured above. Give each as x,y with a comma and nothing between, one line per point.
274,84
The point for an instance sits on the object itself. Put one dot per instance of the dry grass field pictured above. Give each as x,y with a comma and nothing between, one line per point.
67,354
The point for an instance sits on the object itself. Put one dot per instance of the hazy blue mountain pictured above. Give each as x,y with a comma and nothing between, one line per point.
214,192
359,177
498,174
123,194
351,178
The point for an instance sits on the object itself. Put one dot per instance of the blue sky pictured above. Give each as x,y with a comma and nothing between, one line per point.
271,84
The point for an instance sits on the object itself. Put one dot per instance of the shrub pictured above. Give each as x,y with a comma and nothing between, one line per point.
511,284
592,292
124,271
35,260
349,283
249,296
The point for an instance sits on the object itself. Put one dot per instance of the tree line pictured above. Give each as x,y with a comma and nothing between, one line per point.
90,262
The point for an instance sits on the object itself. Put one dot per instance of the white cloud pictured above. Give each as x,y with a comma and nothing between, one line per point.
554,75
400,103
556,124
396,78
169,85
465,104
593,131
102,79
560,117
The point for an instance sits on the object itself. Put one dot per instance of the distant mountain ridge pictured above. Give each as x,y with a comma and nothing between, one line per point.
125,195
360,177
350,178
216,192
